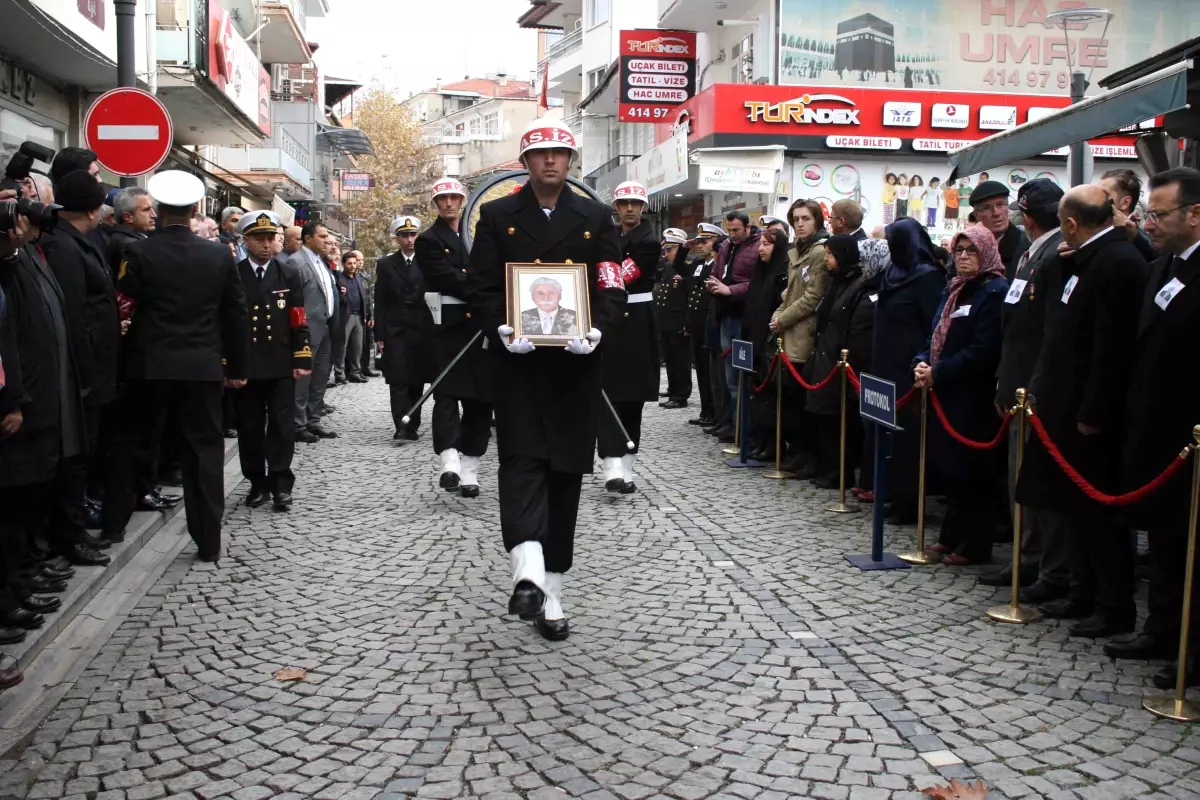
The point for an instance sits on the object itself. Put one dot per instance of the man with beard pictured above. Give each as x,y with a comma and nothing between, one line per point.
459,442
670,315
631,351
989,200
547,398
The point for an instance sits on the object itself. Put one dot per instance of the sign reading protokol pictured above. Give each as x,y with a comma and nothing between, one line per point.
877,400
658,72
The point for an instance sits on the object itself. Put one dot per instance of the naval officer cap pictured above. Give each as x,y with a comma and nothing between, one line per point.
258,222
709,231
674,236
175,188
405,224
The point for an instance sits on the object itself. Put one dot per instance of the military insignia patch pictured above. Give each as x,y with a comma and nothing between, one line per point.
281,303
121,270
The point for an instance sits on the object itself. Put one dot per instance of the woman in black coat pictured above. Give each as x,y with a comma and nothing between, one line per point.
762,298
908,298
845,321
959,362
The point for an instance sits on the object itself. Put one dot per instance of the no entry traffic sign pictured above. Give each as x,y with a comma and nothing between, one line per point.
129,130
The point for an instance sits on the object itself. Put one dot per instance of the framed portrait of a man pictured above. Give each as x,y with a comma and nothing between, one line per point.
548,303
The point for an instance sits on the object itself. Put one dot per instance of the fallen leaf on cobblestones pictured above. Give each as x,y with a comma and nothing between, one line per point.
957,790
290,674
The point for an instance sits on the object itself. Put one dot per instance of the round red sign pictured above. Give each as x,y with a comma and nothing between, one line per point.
129,130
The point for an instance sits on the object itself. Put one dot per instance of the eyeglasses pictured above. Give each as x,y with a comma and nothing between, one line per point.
1156,216
969,250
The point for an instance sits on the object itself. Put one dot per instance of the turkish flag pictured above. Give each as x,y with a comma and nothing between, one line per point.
544,100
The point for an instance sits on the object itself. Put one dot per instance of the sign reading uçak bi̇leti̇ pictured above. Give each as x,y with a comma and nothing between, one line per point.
658,72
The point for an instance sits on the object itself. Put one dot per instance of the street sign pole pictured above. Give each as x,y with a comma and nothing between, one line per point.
877,405
126,13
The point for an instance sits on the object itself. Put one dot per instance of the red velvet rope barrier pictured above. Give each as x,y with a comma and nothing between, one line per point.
958,437
1129,498
770,371
908,397
808,386
725,353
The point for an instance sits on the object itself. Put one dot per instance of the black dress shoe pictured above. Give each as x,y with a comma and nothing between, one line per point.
47,585
148,502
468,491
411,436
88,556
41,605
725,435
553,629
283,501
209,556
306,437
170,500
1040,593
56,562
359,379
703,422
526,601
397,435
22,618
370,373
321,432
12,635
95,542
1143,646
1165,678
256,498
51,574
1066,609
10,677
1099,625
171,477
449,481
671,405
629,487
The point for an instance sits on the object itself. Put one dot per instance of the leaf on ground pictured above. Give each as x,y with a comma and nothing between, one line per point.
957,790
290,674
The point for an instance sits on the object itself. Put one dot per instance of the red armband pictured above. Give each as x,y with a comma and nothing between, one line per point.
125,306
608,276
296,317
630,271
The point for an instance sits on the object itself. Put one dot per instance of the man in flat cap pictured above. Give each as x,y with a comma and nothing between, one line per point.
989,200
190,333
279,354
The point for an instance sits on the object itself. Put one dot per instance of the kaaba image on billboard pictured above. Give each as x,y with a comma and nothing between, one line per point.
865,43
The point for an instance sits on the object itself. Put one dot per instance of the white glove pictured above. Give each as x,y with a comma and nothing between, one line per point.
517,346
584,346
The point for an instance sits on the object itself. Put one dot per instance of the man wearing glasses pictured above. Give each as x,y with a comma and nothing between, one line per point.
989,201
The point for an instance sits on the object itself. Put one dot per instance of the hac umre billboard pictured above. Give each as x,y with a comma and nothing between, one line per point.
970,45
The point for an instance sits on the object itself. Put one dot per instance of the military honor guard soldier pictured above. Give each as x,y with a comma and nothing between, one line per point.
631,349
548,402
670,315
279,353
403,326
694,263
190,332
458,441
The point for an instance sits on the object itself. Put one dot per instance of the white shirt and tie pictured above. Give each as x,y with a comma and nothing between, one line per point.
317,264
260,270
547,321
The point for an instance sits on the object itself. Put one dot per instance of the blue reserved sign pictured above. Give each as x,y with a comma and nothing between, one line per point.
877,400
743,355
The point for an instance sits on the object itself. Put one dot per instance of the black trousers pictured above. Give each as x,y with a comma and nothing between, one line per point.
609,441
266,439
538,504
677,354
970,518
402,396
197,407
469,433
1102,562
23,511
368,348
723,409
100,444
703,376
1168,560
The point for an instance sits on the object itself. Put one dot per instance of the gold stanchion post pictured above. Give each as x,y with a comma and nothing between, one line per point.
921,555
1014,612
1177,707
778,473
736,448
840,506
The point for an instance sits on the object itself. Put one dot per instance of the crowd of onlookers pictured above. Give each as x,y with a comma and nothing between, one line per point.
1081,298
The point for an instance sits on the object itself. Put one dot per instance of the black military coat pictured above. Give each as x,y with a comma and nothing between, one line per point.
670,298
444,263
630,350
1082,371
403,323
118,240
279,340
1023,320
1161,406
699,302
189,320
548,402
91,306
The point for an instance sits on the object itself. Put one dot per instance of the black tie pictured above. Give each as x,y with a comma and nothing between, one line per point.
259,271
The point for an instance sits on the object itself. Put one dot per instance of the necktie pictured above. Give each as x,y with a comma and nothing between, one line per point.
259,271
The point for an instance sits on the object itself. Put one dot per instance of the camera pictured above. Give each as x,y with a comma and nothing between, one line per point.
40,215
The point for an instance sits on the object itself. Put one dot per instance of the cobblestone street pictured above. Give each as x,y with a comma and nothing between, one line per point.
721,647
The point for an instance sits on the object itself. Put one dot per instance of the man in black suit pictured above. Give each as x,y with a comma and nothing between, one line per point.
670,315
548,400
403,326
189,334
133,211
279,353
459,443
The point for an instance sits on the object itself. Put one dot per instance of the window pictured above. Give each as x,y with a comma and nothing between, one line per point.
743,61
475,126
491,123
598,12
552,38
593,79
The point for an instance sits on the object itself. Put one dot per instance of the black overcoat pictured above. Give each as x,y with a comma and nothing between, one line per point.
445,266
403,322
847,319
671,298
279,341
548,402
630,349
1023,320
1082,372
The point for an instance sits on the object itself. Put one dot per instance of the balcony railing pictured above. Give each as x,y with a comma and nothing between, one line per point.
607,167
565,46
575,123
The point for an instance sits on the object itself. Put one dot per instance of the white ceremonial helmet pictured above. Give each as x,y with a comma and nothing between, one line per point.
543,134
448,186
674,236
630,190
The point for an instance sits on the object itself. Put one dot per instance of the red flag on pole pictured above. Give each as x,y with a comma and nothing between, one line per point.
544,100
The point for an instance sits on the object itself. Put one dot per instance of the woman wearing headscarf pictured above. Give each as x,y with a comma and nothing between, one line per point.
908,297
959,362
845,321
875,258
762,298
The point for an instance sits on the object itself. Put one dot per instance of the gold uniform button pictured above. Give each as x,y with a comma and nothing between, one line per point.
256,319
464,271
587,234
468,315
627,313
511,231
447,249
537,261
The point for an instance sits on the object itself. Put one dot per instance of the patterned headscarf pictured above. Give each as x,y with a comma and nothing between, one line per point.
875,256
989,266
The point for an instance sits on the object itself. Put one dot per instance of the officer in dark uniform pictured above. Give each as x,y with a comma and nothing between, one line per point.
631,352
670,314
548,401
443,260
694,263
279,353
403,326
189,333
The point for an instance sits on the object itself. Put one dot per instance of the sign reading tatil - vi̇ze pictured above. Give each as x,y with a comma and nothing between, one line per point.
129,130
658,72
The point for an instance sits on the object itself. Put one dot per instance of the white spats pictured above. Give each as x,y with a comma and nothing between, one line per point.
450,461
627,468
470,471
614,469
528,564
553,608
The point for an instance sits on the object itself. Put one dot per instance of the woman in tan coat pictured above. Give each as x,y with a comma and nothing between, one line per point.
795,322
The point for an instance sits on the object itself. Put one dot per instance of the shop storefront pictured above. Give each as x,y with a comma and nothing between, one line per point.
31,109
